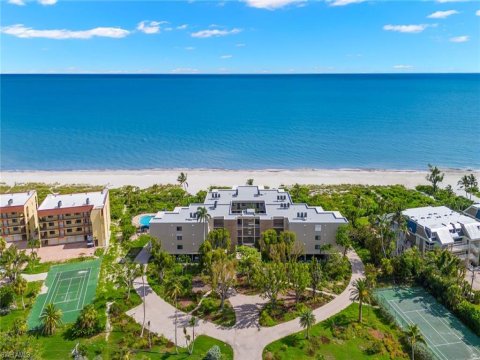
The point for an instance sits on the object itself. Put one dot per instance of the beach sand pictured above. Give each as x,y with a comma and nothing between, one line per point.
199,179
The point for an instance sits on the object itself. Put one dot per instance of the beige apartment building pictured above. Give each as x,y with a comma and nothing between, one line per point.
18,215
246,212
74,218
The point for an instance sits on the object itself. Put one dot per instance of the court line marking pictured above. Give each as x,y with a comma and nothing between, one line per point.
79,290
85,293
55,284
409,321
79,293
466,342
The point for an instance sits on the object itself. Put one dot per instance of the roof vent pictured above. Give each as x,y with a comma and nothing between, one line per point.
60,203
10,201
88,201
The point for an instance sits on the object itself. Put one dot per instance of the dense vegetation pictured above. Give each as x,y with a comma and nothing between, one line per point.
342,337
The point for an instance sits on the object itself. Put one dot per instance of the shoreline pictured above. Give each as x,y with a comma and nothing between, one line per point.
199,179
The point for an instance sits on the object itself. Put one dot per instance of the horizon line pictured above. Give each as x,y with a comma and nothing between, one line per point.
253,73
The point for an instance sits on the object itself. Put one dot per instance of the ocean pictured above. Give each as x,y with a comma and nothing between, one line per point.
387,121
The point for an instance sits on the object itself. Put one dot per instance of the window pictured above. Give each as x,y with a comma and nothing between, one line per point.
79,229
14,220
317,247
68,222
179,237
50,224
318,237
51,232
69,230
179,228
179,247
318,228
15,228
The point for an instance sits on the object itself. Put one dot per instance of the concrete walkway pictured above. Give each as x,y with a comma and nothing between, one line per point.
247,337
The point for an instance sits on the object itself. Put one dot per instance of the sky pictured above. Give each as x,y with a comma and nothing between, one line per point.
249,36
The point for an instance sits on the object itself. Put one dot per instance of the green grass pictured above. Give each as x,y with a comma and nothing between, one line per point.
343,338
210,310
283,312
37,267
7,320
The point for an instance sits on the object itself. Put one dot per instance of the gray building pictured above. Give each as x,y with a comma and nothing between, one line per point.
431,227
246,212
473,211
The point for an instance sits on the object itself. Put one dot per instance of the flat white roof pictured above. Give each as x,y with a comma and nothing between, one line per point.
15,199
277,203
437,217
52,201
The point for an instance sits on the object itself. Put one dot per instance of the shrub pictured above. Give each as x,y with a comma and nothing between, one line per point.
375,347
19,327
6,296
470,315
88,323
214,353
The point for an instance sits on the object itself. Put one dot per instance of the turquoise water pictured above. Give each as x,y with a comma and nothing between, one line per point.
62,122
145,220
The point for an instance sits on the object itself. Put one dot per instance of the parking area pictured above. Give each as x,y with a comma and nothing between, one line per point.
60,252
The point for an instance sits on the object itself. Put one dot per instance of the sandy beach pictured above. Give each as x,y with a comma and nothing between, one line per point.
201,179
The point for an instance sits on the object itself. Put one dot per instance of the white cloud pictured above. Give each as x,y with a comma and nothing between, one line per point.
184,71
47,2
450,1
150,27
477,13
16,2
21,31
214,33
344,2
442,14
402,67
182,27
168,29
240,45
271,4
189,48
226,56
460,39
412,29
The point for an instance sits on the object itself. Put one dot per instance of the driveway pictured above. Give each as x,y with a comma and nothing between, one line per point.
247,338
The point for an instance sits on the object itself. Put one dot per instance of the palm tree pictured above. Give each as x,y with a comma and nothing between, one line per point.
51,318
307,320
473,183
361,293
173,289
88,317
464,183
414,335
182,180
435,176
19,287
203,216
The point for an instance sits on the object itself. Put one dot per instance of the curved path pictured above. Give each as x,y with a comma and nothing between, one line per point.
247,337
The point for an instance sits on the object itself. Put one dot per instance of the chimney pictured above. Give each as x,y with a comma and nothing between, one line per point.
60,203
10,201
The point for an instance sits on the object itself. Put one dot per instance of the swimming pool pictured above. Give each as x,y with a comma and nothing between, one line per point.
145,220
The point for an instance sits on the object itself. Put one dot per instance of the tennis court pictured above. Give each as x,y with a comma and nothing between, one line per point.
70,288
444,334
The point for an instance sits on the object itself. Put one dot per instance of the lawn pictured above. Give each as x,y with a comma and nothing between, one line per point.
342,338
210,310
38,267
286,309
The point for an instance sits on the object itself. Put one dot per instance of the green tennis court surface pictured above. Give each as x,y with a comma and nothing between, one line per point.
70,288
444,334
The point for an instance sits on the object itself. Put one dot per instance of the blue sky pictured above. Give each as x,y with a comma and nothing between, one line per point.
251,36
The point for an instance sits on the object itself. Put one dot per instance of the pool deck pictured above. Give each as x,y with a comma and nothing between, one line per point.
136,219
